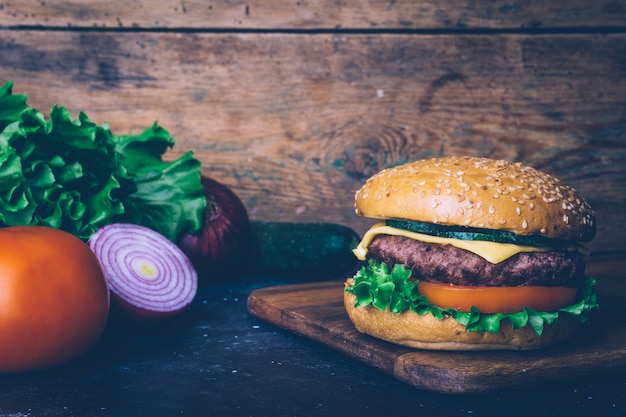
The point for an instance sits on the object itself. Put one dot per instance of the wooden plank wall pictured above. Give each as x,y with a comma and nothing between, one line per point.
294,103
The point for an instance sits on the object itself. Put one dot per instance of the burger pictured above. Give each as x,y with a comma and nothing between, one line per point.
471,254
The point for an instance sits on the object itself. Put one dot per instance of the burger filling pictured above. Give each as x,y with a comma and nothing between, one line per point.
399,259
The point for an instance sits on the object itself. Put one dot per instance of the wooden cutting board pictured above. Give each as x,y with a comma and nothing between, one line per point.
316,310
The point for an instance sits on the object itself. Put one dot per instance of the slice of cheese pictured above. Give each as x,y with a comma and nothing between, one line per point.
493,252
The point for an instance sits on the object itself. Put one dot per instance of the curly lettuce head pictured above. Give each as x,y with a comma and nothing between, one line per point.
77,176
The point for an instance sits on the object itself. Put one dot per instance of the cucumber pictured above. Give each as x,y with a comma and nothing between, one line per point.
302,251
468,233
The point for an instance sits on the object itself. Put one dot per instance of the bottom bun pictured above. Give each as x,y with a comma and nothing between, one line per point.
427,332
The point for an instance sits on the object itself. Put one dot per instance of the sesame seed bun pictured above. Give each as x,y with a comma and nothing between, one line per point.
427,332
479,193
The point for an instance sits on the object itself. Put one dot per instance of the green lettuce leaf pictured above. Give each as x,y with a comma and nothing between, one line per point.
164,190
11,106
377,285
77,176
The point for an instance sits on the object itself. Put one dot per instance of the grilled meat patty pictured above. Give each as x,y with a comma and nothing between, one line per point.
448,264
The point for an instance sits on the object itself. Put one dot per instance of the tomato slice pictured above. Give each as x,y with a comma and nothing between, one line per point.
497,299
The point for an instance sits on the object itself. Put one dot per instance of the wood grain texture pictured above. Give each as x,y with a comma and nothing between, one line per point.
320,14
316,311
294,123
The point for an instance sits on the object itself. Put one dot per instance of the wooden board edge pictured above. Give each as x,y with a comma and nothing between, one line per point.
341,336
455,379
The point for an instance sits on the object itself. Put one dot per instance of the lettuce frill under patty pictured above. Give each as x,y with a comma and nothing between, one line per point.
382,287
77,176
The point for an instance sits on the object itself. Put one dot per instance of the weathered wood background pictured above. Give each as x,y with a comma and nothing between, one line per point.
294,103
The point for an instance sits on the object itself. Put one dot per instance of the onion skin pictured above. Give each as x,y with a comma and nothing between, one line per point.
220,248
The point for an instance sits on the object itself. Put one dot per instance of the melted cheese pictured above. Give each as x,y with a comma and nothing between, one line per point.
493,252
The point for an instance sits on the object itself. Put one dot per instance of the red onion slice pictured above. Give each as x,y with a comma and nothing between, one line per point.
147,273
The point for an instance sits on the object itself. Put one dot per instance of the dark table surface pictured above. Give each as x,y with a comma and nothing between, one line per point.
216,359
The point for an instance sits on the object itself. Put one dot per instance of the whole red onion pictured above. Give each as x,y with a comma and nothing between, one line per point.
219,249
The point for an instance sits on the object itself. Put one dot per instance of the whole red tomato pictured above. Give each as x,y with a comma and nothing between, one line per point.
54,299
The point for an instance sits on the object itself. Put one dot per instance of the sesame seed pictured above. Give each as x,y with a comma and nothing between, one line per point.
492,209
525,224
518,211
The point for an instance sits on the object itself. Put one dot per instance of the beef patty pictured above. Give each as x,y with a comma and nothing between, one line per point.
448,264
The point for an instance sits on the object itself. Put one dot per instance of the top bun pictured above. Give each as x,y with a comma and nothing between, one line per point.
479,193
